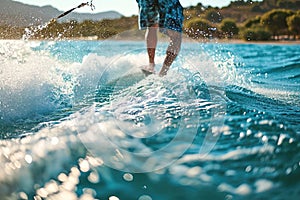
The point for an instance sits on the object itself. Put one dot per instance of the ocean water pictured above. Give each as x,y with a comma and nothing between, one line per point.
78,120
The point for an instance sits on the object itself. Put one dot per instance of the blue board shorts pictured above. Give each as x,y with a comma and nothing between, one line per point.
168,14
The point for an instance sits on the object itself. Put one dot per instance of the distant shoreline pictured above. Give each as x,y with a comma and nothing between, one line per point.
239,41
215,41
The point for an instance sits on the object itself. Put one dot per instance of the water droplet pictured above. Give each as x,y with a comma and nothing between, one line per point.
42,192
281,126
288,171
62,177
263,185
264,138
113,198
248,132
243,189
28,159
144,197
128,177
54,141
248,168
84,165
242,134
280,139
23,196
94,177
51,187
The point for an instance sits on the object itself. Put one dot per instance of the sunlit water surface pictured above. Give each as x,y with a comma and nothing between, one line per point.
79,120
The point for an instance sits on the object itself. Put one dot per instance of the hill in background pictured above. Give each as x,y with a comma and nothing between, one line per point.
20,15
250,20
243,10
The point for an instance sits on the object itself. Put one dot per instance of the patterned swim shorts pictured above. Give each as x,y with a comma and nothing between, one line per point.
168,14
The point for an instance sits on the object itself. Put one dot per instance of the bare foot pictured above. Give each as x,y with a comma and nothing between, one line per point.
164,70
148,69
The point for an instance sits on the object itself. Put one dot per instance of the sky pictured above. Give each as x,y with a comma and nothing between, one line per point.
125,7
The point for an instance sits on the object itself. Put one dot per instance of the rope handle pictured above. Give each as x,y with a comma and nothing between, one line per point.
87,4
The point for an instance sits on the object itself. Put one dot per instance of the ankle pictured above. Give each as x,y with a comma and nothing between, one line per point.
164,70
151,65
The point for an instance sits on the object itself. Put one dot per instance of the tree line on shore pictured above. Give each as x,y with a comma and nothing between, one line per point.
248,20
251,23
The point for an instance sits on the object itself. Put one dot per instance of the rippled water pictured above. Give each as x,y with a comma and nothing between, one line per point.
79,120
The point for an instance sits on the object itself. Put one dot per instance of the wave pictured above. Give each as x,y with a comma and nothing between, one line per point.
281,73
157,126
31,84
44,81
36,82
194,131
284,110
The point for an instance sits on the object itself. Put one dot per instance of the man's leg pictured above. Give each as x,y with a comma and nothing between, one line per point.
151,42
172,51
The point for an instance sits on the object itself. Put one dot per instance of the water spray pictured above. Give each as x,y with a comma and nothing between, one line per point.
29,32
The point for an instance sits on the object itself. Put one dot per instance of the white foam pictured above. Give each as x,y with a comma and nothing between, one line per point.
29,82
287,96
96,69
34,83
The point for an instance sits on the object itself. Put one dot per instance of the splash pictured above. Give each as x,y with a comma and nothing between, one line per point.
31,31
31,83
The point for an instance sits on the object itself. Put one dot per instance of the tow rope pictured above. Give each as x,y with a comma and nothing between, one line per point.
71,10
29,32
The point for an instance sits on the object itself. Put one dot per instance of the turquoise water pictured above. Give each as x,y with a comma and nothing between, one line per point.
78,120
